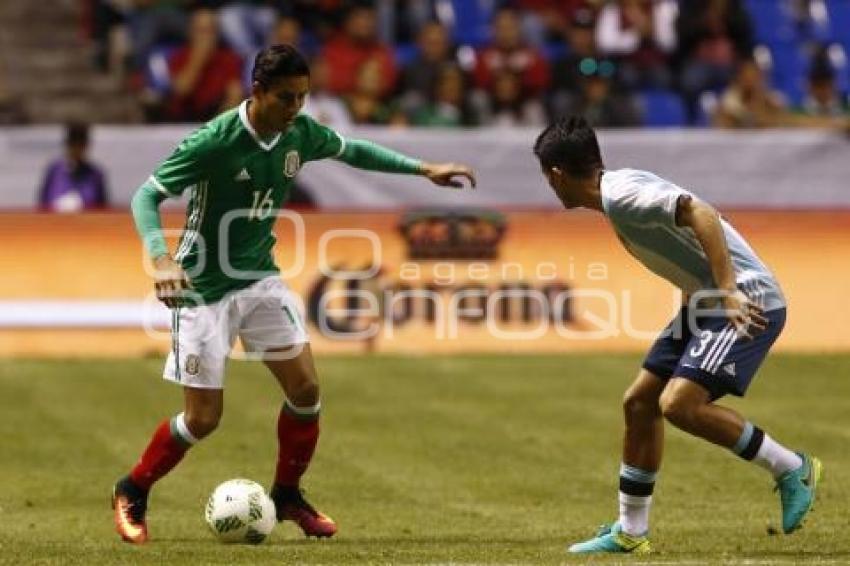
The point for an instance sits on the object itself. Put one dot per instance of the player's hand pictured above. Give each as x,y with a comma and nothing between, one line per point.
169,280
746,316
446,174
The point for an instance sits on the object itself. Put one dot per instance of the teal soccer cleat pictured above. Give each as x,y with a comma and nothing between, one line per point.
612,539
797,492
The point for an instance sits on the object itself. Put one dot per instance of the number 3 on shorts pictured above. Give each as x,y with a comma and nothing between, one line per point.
704,339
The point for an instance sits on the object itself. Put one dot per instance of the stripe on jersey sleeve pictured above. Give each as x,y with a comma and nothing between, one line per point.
161,188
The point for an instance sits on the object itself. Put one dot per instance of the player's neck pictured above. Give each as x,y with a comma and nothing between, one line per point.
592,198
263,130
591,193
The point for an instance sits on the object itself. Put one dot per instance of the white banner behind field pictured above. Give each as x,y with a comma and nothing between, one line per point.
773,169
84,314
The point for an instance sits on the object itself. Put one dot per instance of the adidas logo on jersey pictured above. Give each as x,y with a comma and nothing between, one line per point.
730,368
242,175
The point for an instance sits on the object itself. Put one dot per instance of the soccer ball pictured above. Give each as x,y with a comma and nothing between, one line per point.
240,511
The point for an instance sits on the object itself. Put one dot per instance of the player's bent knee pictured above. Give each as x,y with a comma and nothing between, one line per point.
202,423
638,405
305,393
676,410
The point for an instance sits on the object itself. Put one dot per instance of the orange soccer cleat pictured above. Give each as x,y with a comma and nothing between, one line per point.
130,504
291,506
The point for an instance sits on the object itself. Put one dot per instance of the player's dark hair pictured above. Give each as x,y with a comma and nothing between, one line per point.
569,144
277,62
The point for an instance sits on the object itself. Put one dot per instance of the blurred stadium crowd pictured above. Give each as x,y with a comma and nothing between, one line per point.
460,63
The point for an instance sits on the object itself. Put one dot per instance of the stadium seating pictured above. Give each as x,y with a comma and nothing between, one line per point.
662,109
471,19
405,53
838,57
839,19
789,65
553,51
786,43
773,21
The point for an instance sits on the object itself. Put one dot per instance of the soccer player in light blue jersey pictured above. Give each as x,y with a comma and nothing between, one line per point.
733,311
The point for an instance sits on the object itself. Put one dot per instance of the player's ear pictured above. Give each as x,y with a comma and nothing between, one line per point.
257,88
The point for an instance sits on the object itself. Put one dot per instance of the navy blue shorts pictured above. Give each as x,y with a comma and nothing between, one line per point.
712,354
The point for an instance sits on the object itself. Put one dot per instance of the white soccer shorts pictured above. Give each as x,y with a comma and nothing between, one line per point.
265,316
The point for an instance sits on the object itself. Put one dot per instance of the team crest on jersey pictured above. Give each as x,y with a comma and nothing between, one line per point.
193,364
291,163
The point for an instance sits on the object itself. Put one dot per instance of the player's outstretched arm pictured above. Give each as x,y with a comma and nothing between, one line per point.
169,278
373,157
448,174
704,220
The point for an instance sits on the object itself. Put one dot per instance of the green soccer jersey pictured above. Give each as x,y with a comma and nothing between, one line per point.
238,181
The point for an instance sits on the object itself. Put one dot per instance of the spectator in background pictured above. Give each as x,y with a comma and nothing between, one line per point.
11,107
713,35
321,18
749,103
546,21
347,52
73,183
365,104
823,106
107,30
509,107
205,76
246,24
509,52
285,30
153,22
574,91
598,102
640,34
822,99
326,108
399,22
581,49
447,105
420,75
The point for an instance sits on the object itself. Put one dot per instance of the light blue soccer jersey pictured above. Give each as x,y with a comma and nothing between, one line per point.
642,208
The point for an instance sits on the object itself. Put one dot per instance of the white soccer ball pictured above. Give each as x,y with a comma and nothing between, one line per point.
240,511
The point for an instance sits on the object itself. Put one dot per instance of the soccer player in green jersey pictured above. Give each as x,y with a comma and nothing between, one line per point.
222,280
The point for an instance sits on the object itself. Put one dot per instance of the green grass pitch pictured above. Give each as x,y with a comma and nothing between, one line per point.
467,459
